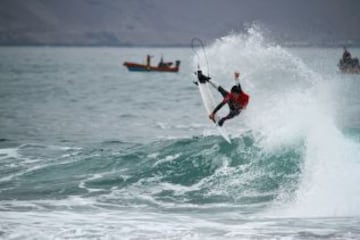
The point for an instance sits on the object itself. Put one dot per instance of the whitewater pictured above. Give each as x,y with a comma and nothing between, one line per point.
89,150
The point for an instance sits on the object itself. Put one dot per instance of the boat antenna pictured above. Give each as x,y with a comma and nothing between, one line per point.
193,44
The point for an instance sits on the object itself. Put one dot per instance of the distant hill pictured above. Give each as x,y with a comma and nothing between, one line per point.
174,22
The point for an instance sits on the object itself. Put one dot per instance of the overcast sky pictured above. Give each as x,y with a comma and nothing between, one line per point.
172,22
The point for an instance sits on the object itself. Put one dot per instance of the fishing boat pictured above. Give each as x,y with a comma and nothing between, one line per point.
161,67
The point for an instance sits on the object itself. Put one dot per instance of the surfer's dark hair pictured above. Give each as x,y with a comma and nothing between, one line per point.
236,89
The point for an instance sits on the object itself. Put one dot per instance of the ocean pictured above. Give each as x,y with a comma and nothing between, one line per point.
89,150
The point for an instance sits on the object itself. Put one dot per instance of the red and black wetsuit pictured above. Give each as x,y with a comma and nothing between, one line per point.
236,104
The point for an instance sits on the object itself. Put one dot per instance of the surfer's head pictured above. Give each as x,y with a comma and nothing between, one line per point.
236,89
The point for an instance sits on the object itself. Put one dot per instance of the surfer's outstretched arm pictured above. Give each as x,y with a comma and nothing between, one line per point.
236,78
218,107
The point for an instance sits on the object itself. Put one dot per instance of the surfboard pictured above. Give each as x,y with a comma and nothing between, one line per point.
209,104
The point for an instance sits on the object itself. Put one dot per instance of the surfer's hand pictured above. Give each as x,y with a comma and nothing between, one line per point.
236,75
212,117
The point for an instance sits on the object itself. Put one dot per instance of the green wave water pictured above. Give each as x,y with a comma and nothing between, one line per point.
200,171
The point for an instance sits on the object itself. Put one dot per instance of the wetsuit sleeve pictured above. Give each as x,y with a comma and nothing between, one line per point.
218,107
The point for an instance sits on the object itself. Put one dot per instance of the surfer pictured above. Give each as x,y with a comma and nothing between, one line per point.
236,99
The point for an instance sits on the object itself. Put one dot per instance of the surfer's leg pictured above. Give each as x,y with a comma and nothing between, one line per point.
217,86
213,83
222,91
229,116
221,121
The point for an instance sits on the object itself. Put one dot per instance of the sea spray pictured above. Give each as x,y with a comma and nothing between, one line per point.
292,106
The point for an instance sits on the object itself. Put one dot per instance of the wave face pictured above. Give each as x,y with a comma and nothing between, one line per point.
150,165
178,173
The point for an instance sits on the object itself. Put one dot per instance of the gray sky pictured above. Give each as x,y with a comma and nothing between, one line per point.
174,22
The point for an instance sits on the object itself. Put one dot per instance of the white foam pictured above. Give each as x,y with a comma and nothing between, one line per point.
8,153
329,185
168,158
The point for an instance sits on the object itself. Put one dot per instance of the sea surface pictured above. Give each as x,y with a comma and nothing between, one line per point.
89,150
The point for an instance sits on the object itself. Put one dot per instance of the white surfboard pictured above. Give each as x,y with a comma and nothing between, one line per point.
209,104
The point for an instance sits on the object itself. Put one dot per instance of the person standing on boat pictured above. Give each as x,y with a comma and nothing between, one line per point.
161,63
348,60
236,99
148,60
347,56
